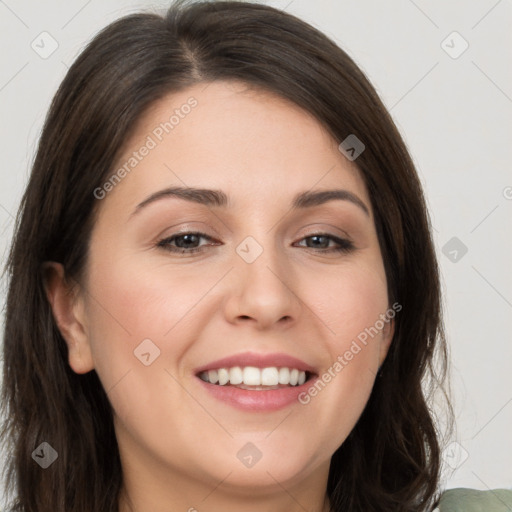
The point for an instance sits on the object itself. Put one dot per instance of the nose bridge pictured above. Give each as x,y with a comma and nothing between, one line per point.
260,261
263,291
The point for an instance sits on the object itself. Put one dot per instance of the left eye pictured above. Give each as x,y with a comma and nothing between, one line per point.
321,243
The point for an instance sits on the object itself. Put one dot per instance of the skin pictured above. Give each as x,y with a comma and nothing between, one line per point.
179,445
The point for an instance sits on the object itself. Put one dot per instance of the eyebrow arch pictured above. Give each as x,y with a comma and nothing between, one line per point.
315,198
210,197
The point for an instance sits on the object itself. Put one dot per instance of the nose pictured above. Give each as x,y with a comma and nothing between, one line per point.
261,292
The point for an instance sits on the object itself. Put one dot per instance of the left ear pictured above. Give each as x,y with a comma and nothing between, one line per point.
388,332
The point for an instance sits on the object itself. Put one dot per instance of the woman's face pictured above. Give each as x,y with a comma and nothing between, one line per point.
278,277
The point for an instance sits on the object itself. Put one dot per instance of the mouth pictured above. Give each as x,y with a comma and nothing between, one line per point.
256,379
256,382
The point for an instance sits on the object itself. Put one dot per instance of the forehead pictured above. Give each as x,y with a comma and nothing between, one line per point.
225,135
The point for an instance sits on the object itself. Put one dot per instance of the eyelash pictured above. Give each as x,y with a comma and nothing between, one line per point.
344,245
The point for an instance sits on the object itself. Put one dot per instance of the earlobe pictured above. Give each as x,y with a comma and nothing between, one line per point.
69,314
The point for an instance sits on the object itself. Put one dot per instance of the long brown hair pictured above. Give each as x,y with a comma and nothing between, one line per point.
391,459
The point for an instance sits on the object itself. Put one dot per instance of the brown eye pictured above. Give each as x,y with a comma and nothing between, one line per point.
184,242
321,241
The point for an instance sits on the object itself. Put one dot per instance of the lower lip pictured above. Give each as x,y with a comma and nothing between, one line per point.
263,400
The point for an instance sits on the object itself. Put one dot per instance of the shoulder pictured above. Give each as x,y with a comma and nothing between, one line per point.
471,500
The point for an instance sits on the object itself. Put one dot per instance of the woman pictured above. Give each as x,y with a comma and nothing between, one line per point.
223,288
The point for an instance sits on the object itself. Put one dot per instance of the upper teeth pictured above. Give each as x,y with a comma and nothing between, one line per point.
252,376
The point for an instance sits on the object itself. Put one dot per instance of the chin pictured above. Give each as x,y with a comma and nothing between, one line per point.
262,469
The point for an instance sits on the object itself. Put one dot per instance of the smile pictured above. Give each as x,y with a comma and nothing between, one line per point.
256,382
258,379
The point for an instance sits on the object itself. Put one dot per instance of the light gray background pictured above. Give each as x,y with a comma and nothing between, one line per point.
455,114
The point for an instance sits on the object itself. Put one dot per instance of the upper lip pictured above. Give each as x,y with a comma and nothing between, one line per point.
277,359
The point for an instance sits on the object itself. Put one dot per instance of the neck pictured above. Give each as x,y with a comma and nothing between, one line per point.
288,504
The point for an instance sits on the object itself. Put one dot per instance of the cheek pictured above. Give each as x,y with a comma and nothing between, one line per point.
351,306
129,305
140,327
349,302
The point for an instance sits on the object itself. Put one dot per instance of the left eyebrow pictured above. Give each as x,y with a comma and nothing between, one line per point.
210,197
316,198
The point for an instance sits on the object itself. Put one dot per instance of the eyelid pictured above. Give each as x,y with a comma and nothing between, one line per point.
318,229
177,234
188,228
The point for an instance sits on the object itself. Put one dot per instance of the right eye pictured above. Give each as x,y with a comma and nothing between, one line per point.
184,243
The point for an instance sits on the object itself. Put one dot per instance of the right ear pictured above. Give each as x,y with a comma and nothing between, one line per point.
69,312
